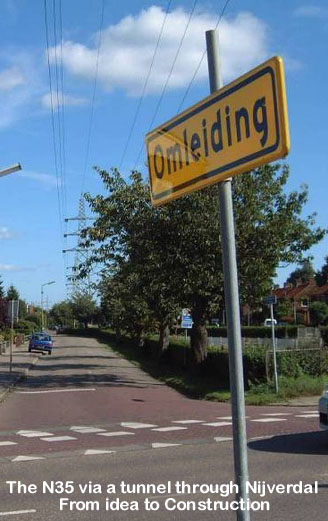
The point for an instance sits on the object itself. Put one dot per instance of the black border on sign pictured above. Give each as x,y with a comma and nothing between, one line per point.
267,70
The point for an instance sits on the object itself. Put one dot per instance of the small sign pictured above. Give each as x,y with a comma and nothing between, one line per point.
271,299
234,130
186,319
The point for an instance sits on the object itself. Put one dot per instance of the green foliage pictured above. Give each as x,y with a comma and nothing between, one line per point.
12,293
61,314
304,272
318,313
84,308
2,291
322,274
26,326
256,332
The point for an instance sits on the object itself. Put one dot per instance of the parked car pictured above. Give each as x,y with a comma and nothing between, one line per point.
41,342
268,322
323,410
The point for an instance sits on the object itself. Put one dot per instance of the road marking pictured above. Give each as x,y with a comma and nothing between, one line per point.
217,424
2,443
313,415
187,421
27,458
94,452
267,420
137,425
276,413
167,429
59,438
226,417
33,434
163,445
56,391
17,512
86,430
221,438
118,433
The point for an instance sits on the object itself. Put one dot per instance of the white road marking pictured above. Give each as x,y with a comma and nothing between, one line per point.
56,391
313,415
59,438
167,429
86,430
217,424
17,512
137,425
187,421
27,458
226,417
310,412
163,445
268,420
94,452
33,434
276,413
118,433
221,438
2,443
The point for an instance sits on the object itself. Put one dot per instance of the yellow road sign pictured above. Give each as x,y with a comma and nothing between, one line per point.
236,129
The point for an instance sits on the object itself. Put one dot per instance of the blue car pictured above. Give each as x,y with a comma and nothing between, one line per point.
41,342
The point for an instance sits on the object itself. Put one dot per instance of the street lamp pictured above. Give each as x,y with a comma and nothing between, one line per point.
10,169
42,286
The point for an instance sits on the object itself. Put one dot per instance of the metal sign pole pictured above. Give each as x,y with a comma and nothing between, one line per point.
11,337
232,304
274,351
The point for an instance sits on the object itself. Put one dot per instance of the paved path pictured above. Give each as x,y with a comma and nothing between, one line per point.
86,398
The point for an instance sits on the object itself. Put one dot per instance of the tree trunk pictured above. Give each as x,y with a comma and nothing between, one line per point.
199,337
164,337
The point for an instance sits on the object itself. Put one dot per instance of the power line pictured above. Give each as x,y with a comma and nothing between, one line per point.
168,77
93,97
145,85
201,60
52,116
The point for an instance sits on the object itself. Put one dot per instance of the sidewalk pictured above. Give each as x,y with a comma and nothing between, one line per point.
22,362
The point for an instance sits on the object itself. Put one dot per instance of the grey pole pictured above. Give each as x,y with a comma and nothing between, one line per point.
274,350
11,336
231,303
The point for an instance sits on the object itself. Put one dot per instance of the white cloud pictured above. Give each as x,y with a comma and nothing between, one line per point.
13,267
65,100
5,233
22,85
311,11
127,49
11,78
48,180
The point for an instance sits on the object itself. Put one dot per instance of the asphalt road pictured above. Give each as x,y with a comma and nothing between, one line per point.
87,416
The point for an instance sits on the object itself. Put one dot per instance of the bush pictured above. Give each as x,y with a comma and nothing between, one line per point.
26,327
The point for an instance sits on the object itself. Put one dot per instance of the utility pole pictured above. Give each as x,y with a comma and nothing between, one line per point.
231,303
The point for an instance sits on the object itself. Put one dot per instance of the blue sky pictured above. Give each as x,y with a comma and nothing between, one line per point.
35,201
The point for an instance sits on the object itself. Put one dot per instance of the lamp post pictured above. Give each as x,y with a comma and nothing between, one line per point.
42,286
10,169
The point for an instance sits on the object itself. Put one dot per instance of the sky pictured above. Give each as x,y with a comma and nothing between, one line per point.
118,69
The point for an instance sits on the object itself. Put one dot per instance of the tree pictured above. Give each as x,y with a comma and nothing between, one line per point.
2,291
318,313
174,252
62,313
83,308
304,272
12,293
322,275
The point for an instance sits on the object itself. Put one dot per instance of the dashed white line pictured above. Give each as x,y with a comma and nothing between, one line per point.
222,438
276,414
94,452
87,430
118,433
217,424
17,512
59,438
27,458
33,434
313,415
187,421
268,420
164,445
137,425
56,391
3,443
168,429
